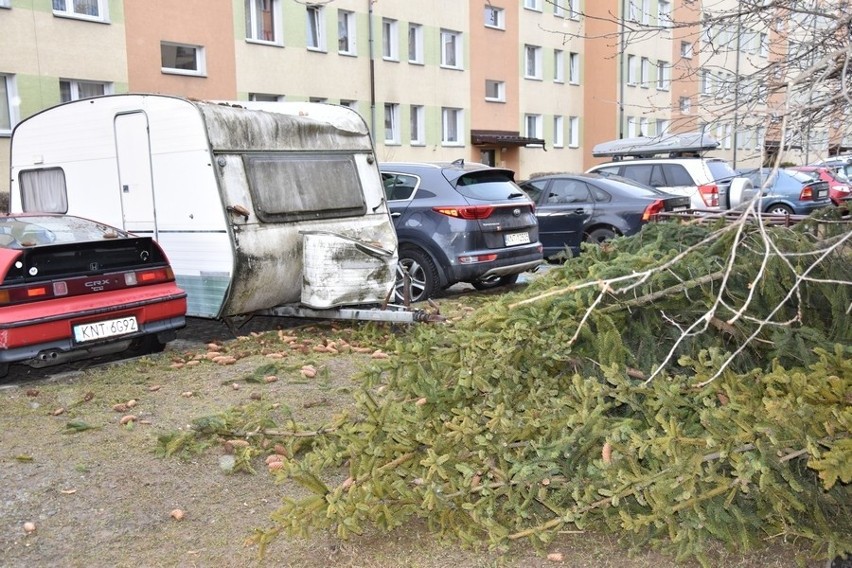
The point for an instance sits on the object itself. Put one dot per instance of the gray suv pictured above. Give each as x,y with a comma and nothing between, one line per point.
459,222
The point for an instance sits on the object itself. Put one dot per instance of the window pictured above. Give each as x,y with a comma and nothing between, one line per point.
417,126
182,59
399,187
263,97
5,4
643,126
645,73
346,32
451,126
663,75
685,105
764,45
532,68
44,190
558,66
559,8
87,9
705,82
451,54
318,99
574,131
7,110
415,43
349,104
574,9
634,10
495,91
662,126
558,132
533,125
72,90
533,5
262,21
686,49
284,186
631,127
390,40
664,14
495,17
632,69
646,12
391,123
315,28
574,68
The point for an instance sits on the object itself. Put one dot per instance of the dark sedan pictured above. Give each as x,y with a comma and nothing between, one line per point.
788,192
576,208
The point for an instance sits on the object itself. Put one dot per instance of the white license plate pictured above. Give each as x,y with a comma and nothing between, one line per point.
102,329
517,239
679,208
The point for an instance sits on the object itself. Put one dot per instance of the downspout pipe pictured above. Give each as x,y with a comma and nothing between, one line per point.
622,63
372,69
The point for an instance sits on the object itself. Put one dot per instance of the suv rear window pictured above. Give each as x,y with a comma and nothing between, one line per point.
677,176
721,170
488,186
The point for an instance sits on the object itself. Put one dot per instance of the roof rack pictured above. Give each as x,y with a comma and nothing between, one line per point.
672,145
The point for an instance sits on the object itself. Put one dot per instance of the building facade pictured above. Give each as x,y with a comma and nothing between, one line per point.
531,85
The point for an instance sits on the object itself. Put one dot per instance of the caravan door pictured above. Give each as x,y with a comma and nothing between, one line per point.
133,150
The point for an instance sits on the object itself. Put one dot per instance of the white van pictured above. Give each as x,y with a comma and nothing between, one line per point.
257,205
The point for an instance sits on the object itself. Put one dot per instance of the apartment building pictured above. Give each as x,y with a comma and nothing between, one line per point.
531,85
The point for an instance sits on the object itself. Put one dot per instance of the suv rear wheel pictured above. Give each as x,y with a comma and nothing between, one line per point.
495,282
421,270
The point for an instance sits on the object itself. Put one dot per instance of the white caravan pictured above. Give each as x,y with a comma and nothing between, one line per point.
258,206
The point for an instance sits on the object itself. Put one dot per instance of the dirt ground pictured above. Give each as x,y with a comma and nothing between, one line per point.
82,489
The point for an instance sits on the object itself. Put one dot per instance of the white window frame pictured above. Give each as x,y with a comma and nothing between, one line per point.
200,60
417,119
632,127
532,125
451,48
532,57
643,126
390,39
686,49
350,104
499,88
533,5
646,12
662,125
495,17
346,30
558,132
415,44
764,45
266,97
8,108
685,105
574,68
664,14
5,3
634,11
75,86
573,131
644,72
391,124
574,9
254,15
663,75
452,126
315,27
65,9
705,82
558,66
632,70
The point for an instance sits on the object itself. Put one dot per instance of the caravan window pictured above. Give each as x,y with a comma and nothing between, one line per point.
292,187
43,190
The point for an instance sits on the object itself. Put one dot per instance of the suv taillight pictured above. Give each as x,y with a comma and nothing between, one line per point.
710,194
469,212
653,209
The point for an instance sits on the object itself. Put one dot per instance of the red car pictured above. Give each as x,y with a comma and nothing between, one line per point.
72,288
839,189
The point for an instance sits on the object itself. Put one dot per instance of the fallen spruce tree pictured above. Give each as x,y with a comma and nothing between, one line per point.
689,384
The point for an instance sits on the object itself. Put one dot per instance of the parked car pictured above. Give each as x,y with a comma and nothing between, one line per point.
74,288
673,163
786,192
593,208
459,222
838,187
